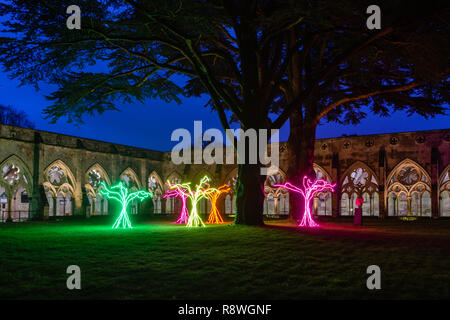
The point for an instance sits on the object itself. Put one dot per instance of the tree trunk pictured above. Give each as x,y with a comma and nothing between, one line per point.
249,195
301,158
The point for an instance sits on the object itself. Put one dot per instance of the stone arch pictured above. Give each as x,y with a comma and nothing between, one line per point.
174,177
172,204
199,175
98,204
276,200
15,189
132,175
59,185
65,169
404,163
322,201
156,186
104,174
321,173
131,181
444,192
231,177
230,198
359,180
23,175
408,190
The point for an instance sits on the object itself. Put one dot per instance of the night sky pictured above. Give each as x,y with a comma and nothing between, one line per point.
150,125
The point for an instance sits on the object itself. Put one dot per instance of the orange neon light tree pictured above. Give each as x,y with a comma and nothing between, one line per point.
213,194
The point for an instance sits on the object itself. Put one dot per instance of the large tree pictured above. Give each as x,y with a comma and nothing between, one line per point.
340,69
301,60
232,48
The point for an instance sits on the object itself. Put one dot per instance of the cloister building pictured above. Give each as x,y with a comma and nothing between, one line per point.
46,174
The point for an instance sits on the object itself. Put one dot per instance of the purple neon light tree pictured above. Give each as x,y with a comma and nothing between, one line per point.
308,192
177,190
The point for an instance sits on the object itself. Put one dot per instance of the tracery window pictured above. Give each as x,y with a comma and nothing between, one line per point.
409,191
155,186
276,201
230,198
14,190
322,200
131,181
360,181
173,204
59,186
98,204
444,193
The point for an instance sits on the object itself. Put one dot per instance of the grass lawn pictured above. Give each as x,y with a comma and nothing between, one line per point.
159,260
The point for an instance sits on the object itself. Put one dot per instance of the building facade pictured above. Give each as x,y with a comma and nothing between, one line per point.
46,174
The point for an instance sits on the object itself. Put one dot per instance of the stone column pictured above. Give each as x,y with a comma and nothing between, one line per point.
382,183
36,206
336,195
434,183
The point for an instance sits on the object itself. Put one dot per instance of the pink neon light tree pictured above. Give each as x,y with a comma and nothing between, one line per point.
176,190
308,192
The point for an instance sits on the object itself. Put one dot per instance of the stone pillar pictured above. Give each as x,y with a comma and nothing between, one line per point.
434,183
382,183
336,195
36,206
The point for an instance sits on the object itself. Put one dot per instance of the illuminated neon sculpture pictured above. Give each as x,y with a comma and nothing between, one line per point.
308,192
120,193
176,190
213,194
194,219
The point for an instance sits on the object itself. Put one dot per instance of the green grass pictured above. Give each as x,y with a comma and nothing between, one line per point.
158,260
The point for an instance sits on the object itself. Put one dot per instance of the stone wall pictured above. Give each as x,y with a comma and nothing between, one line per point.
39,155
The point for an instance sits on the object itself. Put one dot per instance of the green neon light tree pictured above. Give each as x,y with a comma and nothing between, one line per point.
120,193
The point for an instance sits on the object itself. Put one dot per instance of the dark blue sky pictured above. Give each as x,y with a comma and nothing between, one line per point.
150,125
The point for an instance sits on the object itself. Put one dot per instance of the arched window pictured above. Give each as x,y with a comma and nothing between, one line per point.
230,198
15,187
444,193
360,181
95,176
409,191
59,183
155,186
322,200
272,200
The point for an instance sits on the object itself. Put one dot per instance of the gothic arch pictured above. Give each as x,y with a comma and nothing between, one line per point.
174,177
157,178
98,204
99,168
231,177
444,192
132,174
276,200
15,189
199,175
23,176
359,164
359,180
156,186
322,201
321,172
64,169
408,190
230,198
404,163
